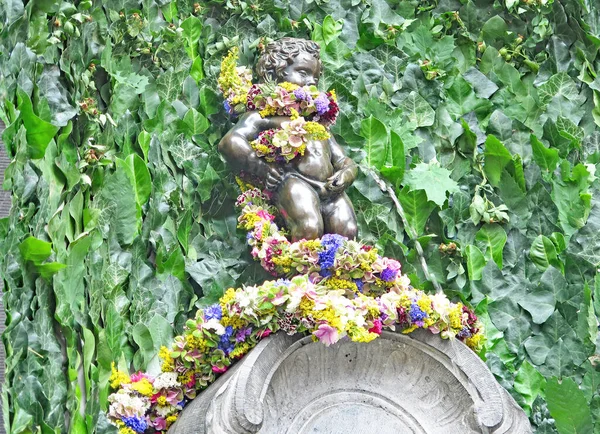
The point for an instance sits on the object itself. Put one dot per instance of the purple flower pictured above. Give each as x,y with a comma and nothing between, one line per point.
389,274
213,311
300,94
464,333
242,334
136,423
322,104
417,315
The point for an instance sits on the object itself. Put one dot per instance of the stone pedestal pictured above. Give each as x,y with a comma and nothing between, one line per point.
395,384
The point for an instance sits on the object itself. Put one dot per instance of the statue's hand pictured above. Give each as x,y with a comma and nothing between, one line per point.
339,181
275,176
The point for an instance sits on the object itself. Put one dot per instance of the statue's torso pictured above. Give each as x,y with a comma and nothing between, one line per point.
316,161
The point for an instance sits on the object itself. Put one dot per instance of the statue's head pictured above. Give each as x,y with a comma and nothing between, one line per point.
290,59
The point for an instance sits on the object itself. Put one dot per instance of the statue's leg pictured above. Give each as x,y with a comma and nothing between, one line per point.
339,217
299,205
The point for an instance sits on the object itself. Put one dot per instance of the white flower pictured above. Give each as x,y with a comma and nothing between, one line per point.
125,404
214,324
441,305
166,380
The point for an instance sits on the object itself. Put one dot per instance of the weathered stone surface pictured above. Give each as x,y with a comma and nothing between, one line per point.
395,384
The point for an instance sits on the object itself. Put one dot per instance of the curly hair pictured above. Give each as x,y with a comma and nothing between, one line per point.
281,53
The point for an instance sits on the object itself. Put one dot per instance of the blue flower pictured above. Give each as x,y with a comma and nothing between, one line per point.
136,423
213,311
227,106
322,104
224,343
416,314
359,284
331,243
389,275
283,282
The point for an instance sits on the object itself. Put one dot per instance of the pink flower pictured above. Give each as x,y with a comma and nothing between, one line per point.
160,423
263,333
140,375
377,326
327,334
265,215
218,370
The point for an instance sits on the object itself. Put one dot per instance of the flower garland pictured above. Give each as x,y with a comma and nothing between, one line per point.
345,290
222,333
311,111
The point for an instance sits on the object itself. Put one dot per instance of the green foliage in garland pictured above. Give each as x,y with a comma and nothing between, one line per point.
483,116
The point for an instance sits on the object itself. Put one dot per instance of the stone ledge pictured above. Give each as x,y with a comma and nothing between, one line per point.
398,383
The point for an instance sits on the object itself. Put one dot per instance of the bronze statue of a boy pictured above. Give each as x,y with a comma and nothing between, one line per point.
308,191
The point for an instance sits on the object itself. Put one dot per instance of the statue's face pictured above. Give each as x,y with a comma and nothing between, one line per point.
303,71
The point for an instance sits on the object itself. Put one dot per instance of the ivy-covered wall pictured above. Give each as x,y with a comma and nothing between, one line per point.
482,115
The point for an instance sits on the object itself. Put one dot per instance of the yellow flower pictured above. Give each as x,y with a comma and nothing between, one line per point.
306,306
283,261
161,400
411,329
360,334
456,317
313,245
425,304
171,419
333,95
234,321
117,378
240,350
126,430
194,343
290,87
316,131
144,387
268,111
244,186
186,377
476,341
227,298
168,364
294,114
336,283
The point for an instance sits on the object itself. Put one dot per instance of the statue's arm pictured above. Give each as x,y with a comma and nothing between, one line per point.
235,145
344,166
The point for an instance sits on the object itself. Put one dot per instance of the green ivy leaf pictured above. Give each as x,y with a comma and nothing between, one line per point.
34,250
491,239
529,383
39,132
546,158
543,253
432,178
376,138
496,159
139,176
416,208
568,406
475,262
418,110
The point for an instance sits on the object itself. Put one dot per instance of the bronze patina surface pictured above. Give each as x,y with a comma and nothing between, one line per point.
309,190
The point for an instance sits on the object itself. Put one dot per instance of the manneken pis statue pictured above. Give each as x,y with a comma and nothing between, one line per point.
309,190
